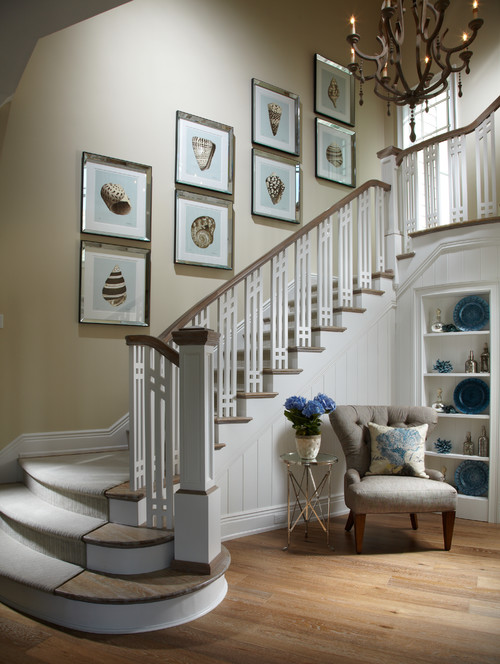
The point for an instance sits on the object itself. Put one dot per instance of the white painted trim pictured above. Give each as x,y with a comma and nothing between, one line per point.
61,442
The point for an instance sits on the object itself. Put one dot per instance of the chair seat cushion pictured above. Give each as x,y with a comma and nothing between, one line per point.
385,494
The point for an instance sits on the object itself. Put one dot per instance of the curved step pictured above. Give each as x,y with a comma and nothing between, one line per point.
44,527
63,594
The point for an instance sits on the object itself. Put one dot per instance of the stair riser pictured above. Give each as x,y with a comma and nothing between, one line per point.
96,506
113,560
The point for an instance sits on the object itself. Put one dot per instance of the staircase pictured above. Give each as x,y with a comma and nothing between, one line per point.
87,540
64,561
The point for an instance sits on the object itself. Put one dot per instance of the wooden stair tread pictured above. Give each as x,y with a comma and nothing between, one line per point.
409,254
236,419
328,328
353,310
124,492
306,349
282,372
256,395
121,536
138,588
368,291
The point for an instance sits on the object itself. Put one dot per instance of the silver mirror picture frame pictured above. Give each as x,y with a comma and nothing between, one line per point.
204,153
203,230
116,197
334,90
114,284
275,117
276,187
335,153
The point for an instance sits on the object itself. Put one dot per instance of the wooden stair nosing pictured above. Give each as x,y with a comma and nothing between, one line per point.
368,291
353,310
233,419
115,535
328,328
256,395
281,372
402,257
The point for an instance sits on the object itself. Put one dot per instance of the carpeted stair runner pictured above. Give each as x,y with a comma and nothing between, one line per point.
48,529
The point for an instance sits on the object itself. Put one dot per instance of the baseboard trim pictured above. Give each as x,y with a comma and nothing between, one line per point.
61,442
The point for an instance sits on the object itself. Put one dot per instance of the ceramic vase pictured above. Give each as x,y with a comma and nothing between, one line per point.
308,446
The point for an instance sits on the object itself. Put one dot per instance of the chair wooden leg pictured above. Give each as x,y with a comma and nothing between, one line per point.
350,521
359,530
414,521
448,524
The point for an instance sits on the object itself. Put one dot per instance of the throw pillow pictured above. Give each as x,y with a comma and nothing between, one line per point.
397,451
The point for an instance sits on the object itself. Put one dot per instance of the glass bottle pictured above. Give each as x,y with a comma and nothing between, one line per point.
438,405
470,363
437,325
483,443
468,445
485,360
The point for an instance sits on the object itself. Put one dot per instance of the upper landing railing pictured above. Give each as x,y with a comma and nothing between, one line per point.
449,179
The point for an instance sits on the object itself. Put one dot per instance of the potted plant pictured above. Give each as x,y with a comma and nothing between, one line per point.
305,417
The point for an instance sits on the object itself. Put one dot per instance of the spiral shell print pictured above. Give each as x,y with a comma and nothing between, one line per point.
333,91
202,231
115,197
204,151
275,187
334,155
275,112
115,289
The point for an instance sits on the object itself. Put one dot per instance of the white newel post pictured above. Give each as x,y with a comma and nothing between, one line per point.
393,234
197,502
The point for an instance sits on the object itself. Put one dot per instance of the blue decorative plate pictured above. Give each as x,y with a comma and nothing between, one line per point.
471,313
471,396
471,478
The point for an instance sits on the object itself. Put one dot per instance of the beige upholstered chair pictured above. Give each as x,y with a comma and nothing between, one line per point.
386,494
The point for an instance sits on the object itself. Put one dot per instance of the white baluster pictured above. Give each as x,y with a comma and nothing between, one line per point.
457,160
485,168
380,210
324,316
227,357
137,418
364,241
431,184
279,311
409,190
303,291
201,319
253,331
345,257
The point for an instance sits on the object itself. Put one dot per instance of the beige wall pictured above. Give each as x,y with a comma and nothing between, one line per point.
112,85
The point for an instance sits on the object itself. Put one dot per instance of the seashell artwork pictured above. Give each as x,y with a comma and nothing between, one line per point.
333,91
202,231
275,187
115,289
115,198
204,151
275,112
334,155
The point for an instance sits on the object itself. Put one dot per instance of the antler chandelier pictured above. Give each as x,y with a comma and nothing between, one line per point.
434,61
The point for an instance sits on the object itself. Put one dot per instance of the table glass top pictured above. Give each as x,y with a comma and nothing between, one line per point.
320,460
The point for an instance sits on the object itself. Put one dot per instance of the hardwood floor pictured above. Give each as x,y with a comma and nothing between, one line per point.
404,600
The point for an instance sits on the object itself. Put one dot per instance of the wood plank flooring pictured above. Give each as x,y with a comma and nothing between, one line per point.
404,600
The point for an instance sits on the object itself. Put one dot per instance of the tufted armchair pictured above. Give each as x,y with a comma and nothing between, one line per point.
385,494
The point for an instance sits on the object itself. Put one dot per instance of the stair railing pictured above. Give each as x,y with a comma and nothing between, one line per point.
427,171
317,268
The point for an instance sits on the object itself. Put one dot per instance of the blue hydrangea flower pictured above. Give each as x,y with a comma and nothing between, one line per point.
313,408
295,403
327,403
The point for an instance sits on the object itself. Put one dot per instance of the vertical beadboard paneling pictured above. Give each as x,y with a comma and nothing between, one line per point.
250,486
489,263
266,469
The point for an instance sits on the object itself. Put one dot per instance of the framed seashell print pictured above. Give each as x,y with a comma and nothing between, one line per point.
204,153
275,117
276,187
116,197
114,284
203,230
334,91
335,153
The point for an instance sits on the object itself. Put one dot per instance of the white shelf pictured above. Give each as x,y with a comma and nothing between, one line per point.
456,334
451,455
461,416
457,374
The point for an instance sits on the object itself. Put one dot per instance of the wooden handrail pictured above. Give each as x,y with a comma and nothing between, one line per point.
205,302
153,342
449,134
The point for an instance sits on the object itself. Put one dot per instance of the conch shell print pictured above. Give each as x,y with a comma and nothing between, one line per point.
204,151
334,155
115,198
275,112
115,289
333,91
202,231
275,187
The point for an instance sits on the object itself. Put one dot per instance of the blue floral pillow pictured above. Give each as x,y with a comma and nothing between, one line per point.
398,451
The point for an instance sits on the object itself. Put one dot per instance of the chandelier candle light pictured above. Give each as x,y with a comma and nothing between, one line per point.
433,59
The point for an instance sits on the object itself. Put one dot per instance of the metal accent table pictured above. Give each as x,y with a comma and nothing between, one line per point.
307,490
